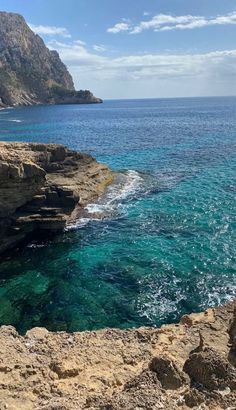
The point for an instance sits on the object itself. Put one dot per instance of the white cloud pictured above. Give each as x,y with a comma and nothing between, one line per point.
117,28
100,48
76,54
177,67
167,22
50,30
80,42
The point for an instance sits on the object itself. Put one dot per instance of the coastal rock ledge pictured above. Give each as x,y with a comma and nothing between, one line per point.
43,186
190,365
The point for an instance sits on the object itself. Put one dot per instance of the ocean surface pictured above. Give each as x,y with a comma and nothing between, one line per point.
160,243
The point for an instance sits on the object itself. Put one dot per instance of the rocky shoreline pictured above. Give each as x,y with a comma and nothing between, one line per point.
190,365
44,186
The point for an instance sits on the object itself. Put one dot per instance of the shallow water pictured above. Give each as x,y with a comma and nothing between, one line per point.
159,243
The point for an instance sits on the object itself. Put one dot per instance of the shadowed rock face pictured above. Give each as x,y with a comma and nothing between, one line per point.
167,372
41,185
30,73
211,370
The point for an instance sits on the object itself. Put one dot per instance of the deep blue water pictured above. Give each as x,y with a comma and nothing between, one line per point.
165,245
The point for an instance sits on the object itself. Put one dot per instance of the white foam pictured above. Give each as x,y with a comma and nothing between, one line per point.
132,183
117,193
36,245
95,208
78,224
13,120
111,204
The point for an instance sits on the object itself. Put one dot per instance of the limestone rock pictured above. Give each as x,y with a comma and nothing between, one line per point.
211,369
167,372
87,370
37,333
30,73
41,185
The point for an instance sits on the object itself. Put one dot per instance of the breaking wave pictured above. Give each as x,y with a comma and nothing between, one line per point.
113,203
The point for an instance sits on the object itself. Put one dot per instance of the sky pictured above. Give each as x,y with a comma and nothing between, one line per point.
140,48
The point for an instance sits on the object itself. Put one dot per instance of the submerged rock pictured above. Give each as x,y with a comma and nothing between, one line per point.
41,185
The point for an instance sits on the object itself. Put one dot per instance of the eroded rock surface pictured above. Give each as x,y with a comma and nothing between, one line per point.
168,368
211,370
41,185
30,73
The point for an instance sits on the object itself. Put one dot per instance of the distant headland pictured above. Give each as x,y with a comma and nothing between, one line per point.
30,73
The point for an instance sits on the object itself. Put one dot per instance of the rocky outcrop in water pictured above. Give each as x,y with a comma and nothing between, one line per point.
41,186
190,365
30,73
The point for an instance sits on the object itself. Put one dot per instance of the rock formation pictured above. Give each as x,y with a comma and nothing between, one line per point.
30,73
151,369
41,186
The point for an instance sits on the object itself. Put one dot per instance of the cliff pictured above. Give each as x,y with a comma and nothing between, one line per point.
190,365
41,186
30,73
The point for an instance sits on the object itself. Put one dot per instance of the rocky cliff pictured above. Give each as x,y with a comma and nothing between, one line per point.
190,365
30,73
41,186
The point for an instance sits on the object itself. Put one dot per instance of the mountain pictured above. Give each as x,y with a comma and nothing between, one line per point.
30,73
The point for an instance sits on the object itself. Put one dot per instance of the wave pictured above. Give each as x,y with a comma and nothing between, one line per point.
128,186
14,120
125,187
112,204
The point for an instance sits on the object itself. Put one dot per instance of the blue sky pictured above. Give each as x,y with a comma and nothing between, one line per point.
140,48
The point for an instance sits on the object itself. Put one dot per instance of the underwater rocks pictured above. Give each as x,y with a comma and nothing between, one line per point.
42,186
181,366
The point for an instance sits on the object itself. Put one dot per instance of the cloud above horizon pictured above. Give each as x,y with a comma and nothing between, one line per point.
50,30
76,53
90,67
167,22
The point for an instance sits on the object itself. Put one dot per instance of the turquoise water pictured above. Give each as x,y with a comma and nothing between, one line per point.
159,244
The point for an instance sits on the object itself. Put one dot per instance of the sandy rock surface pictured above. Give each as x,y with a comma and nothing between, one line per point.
182,366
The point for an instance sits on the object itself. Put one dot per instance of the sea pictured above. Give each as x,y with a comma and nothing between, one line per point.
160,243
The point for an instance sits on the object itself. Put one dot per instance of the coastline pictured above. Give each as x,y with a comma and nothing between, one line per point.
42,185
101,265
111,368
